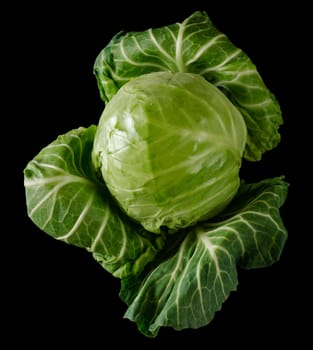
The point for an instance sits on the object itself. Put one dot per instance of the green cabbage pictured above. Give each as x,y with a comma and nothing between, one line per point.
184,106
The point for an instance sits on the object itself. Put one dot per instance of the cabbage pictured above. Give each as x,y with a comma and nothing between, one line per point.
169,147
154,191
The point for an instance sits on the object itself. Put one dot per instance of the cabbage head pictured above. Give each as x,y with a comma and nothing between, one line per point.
169,147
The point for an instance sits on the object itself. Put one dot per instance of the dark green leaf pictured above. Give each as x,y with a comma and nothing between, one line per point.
185,289
66,200
195,46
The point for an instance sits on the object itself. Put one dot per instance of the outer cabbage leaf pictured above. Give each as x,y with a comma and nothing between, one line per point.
185,288
66,200
195,46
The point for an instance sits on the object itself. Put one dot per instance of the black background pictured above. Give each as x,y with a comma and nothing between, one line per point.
56,294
